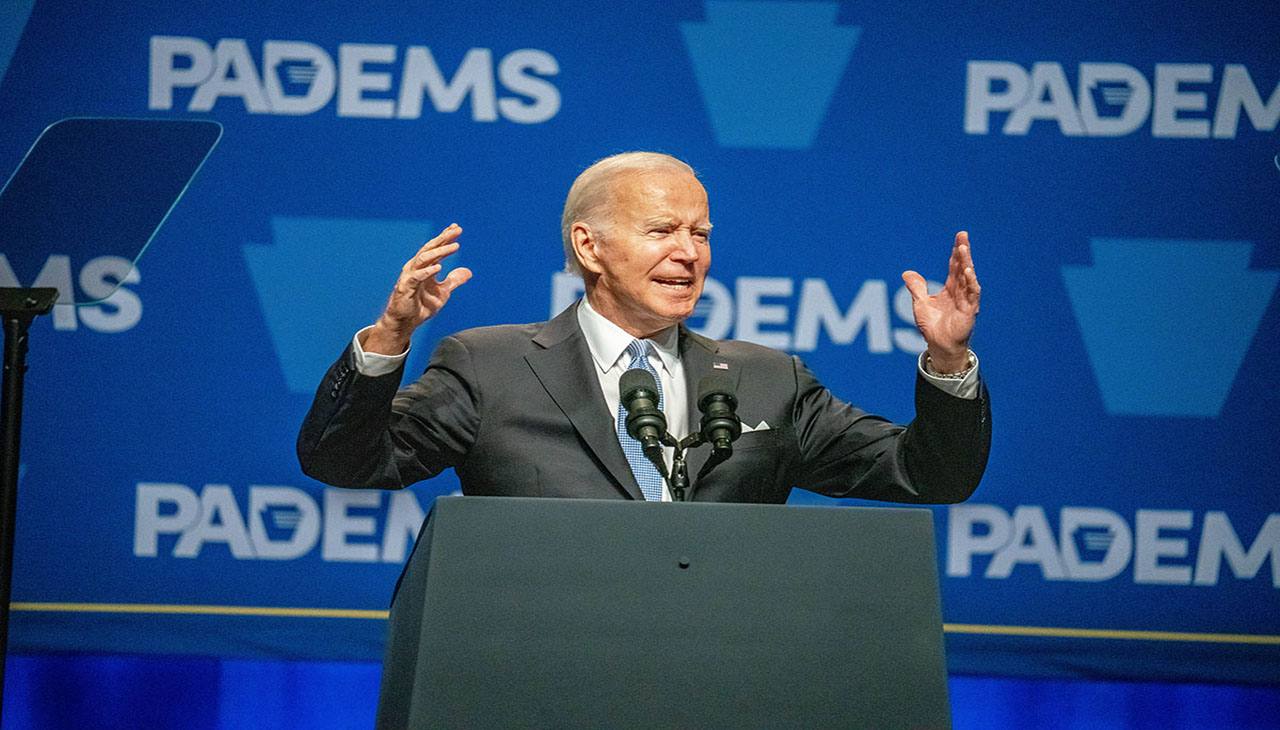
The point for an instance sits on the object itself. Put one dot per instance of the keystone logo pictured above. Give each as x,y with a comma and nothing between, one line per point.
1111,98
1167,322
768,70
322,280
297,77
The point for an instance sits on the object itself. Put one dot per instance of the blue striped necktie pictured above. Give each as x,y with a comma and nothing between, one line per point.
647,475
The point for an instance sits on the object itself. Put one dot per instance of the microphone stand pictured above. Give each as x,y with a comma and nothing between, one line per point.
678,481
18,307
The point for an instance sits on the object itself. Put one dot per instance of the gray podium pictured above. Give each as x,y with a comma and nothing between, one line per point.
549,613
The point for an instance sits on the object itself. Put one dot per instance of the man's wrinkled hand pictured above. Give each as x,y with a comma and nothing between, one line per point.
418,295
946,319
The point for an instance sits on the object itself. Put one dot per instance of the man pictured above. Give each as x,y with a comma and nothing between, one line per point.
532,410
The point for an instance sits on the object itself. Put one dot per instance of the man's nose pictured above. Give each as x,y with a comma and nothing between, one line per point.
684,248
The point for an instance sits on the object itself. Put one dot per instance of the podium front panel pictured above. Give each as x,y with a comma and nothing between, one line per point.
545,613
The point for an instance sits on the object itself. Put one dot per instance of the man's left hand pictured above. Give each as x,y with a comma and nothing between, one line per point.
946,319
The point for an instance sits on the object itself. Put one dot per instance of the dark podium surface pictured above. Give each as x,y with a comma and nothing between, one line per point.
548,613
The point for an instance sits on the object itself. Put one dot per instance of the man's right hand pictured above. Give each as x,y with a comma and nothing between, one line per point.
417,296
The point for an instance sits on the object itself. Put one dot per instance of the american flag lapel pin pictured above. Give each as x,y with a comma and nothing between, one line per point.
719,366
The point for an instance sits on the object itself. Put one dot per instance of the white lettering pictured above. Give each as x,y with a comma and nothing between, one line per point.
1218,540
1049,98
718,316
234,74
716,306
545,98
752,312
404,519
1135,95
981,97
1096,544
1102,530
1150,547
219,521
964,540
119,308
316,72
870,309
1032,542
1238,92
299,78
474,77
166,74
353,80
1044,94
149,522
339,524
289,510
1170,100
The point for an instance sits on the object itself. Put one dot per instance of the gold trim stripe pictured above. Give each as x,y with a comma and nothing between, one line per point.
199,610
289,612
1069,633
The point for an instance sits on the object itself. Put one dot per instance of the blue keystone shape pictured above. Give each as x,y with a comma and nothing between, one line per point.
1167,322
322,280
768,70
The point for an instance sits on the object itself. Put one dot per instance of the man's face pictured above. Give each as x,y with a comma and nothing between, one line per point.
652,260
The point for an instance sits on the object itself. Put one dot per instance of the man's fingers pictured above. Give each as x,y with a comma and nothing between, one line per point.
963,251
456,278
915,284
973,290
412,279
437,248
417,295
429,256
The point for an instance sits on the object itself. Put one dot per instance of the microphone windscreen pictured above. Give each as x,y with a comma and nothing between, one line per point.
636,379
715,384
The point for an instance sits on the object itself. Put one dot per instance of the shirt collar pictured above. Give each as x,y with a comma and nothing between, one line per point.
607,341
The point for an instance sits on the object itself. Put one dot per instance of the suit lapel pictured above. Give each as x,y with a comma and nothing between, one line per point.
564,367
697,354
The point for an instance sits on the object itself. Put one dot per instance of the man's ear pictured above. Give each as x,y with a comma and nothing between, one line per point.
586,244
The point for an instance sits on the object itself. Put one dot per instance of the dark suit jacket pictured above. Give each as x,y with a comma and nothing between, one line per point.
517,410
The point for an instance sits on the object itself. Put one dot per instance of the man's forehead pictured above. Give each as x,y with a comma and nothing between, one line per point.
658,188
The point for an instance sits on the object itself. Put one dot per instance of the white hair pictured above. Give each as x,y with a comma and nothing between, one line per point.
591,194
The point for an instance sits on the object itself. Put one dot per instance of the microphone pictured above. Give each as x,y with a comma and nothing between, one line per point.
720,423
645,422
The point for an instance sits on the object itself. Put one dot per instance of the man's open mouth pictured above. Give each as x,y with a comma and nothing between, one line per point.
680,283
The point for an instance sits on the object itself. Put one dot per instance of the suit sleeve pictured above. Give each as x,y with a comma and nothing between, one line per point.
938,458
361,433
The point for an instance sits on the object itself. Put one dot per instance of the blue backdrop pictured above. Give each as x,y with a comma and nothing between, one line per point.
1116,166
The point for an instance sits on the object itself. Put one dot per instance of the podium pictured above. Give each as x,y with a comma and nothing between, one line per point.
554,613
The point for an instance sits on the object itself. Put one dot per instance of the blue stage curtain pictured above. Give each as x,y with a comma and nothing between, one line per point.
72,692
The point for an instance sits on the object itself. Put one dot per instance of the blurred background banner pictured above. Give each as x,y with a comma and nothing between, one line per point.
1116,166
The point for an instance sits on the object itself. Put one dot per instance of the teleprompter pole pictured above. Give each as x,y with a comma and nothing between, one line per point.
18,308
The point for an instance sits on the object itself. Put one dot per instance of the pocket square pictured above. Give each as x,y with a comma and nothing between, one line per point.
763,426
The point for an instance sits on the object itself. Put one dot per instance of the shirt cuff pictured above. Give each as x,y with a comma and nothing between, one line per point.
373,364
966,387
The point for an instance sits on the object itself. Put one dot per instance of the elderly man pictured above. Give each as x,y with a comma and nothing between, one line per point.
533,410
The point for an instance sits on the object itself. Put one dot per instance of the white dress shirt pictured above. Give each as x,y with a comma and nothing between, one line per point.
608,344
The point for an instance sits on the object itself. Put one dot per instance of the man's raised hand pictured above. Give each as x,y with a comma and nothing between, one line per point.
946,319
418,295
